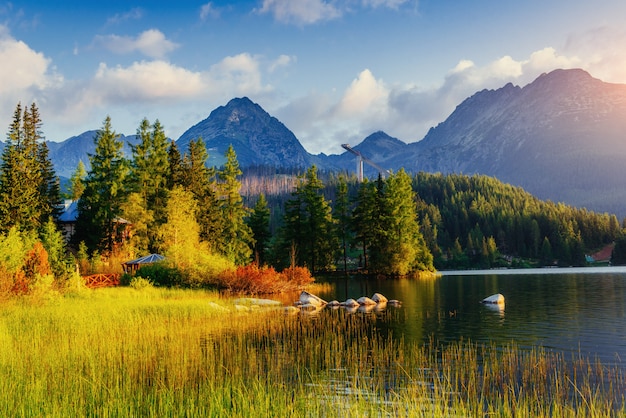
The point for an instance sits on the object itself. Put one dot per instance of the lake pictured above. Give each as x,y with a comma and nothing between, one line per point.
570,310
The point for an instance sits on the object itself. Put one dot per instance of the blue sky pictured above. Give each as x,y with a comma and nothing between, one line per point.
333,71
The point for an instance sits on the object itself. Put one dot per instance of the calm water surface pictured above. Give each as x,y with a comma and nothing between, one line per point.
567,310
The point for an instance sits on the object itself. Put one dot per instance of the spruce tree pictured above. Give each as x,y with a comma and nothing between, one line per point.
341,213
77,185
29,188
259,223
236,233
200,180
309,228
99,207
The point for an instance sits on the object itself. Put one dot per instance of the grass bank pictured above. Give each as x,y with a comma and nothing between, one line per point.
157,352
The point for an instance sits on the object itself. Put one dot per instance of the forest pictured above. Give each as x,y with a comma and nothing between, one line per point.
263,229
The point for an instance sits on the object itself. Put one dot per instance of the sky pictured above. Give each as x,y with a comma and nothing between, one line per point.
333,71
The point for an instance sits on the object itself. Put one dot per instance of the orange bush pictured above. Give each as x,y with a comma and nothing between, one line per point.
299,276
252,279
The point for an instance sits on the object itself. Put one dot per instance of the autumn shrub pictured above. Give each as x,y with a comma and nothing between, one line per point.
297,276
252,279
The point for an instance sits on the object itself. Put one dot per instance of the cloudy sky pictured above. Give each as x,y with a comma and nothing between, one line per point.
333,71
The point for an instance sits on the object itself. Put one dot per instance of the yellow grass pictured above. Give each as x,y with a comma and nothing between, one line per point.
157,352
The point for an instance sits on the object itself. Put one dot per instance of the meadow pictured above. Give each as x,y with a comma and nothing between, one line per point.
148,351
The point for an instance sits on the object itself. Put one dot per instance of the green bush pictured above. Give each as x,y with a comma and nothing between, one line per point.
139,283
161,274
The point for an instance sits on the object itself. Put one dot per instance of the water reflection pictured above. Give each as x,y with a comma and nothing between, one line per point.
575,311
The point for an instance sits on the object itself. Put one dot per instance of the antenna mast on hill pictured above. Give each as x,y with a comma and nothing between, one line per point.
359,163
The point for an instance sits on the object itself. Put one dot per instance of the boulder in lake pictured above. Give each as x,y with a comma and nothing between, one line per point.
378,298
496,299
307,298
364,300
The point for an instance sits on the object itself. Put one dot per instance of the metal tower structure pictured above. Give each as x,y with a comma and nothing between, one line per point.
360,159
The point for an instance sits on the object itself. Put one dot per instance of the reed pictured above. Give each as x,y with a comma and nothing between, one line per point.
157,352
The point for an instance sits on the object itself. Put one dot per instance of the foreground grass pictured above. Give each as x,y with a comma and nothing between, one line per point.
153,352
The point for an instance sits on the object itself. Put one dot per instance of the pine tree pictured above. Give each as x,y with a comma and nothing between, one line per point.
259,223
176,172
29,189
236,233
99,207
200,180
77,185
309,228
148,176
341,211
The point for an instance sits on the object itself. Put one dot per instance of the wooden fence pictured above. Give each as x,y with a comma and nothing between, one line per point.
102,280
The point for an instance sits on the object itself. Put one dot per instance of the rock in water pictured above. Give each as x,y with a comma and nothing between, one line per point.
307,298
378,298
364,300
496,299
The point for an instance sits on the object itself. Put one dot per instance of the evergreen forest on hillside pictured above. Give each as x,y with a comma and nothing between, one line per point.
220,226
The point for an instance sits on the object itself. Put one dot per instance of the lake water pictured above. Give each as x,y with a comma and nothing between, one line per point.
574,311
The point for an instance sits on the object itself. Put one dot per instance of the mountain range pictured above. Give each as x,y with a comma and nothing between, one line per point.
561,137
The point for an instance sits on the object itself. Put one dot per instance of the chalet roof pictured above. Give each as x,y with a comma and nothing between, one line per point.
146,259
70,211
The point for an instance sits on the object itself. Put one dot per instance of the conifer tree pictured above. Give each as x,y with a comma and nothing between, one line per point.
29,189
406,250
99,207
77,185
176,172
309,228
259,223
341,213
237,235
148,177
200,180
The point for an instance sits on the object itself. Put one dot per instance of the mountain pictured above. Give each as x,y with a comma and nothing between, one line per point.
561,137
257,137
66,155
377,147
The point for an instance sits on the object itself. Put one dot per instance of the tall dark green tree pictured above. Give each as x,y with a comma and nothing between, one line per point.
367,222
176,172
98,223
236,233
259,223
309,228
200,180
341,212
29,188
148,177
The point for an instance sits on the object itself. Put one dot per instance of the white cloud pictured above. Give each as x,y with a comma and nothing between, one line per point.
404,111
306,12
282,61
601,52
208,11
133,14
300,11
25,75
151,43
392,4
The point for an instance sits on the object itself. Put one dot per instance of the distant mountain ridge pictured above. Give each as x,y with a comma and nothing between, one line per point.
561,137
257,137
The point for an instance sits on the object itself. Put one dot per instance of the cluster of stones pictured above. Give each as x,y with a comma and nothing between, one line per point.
309,301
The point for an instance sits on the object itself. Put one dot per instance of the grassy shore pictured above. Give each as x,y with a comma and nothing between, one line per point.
156,352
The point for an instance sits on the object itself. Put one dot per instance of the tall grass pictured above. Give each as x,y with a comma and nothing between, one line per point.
158,352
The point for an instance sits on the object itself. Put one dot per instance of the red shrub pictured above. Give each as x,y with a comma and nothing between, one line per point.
252,279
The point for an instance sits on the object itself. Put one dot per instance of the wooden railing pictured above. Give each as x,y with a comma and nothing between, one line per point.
102,280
